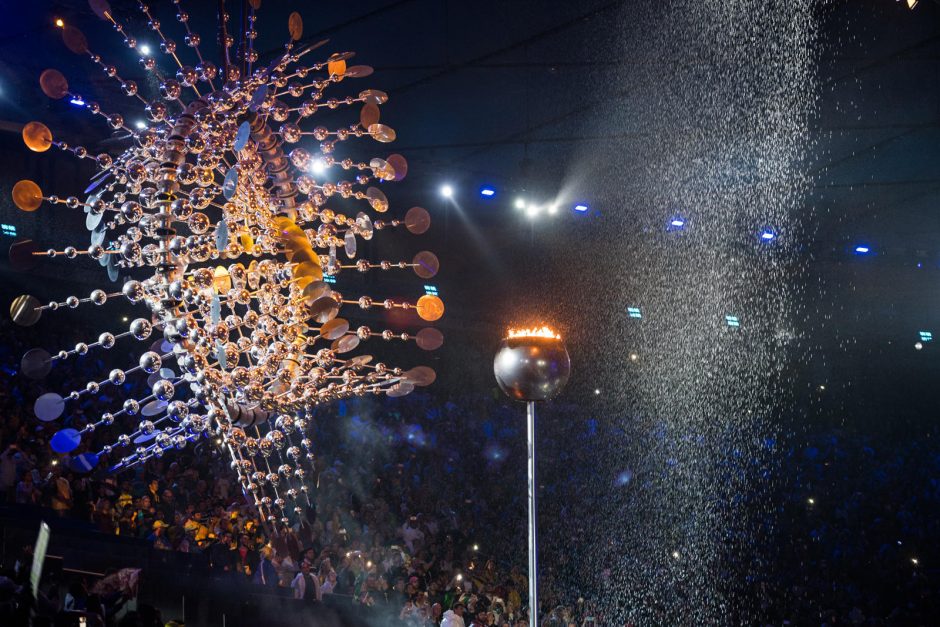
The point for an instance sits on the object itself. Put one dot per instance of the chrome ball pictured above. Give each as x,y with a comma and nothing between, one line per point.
532,368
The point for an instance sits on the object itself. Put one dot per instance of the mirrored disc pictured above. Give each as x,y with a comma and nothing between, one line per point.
241,137
426,264
112,269
295,26
98,235
92,220
97,180
25,310
215,309
22,257
86,462
349,244
258,98
316,290
166,373
49,406
429,339
74,39
400,164
153,378
373,96
420,376
366,229
100,7
53,84
153,408
323,309
382,133
335,328
417,220
359,361
369,115
359,71
36,363
65,441
145,437
377,199
230,184
400,389
430,308
345,343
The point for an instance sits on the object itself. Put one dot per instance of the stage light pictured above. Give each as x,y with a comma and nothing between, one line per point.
459,577
581,208
532,210
811,501
597,391
862,250
553,209
140,124
77,101
59,22
914,561
8,229
476,547
317,166
768,235
676,224
124,319
634,312
732,321
487,191
447,191
634,357
144,50
675,554
520,203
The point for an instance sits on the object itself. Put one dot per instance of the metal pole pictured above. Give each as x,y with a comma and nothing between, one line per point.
533,544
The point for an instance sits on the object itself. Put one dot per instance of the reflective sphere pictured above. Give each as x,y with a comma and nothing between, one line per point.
532,368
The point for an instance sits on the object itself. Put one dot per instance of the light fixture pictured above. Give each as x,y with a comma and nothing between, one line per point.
487,191
140,124
553,208
59,22
447,191
634,312
581,208
532,210
77,101
768,235
144,50
520,203
862,250
732,321
317,166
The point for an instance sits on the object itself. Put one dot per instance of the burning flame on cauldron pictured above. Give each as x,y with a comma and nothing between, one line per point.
534,332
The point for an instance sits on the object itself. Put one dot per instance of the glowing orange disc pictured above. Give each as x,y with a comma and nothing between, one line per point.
430,308
336,67
295,25
37,136
27,195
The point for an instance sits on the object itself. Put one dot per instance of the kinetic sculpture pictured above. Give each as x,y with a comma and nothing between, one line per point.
215,220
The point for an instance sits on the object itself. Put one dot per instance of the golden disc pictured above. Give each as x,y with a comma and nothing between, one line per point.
27,195
337,67
37,136
221,280
430,308
53,84
295,25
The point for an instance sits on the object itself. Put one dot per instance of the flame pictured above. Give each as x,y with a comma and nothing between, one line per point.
543,331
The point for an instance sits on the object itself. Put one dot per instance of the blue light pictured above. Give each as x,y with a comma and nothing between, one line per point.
8,229
430,290
77,101
329,279
678,223
926,336
487,191
634,312
862,250
732,321
767,235
581,208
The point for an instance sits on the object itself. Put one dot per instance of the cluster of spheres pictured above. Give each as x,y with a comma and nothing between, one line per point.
214,220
